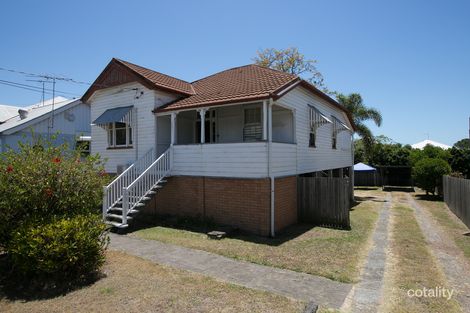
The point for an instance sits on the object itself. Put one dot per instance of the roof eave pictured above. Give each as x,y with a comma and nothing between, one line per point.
166,108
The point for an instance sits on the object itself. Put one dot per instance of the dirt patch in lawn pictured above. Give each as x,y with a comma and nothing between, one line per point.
135,285
412,266
332,253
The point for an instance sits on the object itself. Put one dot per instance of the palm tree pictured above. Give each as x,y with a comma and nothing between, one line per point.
361,113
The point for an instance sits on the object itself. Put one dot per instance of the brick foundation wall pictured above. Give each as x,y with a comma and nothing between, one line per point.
285,202
244,203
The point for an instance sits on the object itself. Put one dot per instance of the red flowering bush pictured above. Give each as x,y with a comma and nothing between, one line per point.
44,183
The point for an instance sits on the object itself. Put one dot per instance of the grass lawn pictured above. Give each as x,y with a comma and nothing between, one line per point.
412,267
135,285
448,221
336,254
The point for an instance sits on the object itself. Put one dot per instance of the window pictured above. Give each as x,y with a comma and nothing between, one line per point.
334,140
317,119
313,138
83,146
252,128
119,135
338,127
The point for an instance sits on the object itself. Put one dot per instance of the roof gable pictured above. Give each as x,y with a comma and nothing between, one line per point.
119,72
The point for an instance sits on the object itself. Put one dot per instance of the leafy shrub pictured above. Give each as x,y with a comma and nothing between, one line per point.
51,225
65,248
47,181
427,173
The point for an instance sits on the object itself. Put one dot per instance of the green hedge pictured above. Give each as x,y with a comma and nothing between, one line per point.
428,172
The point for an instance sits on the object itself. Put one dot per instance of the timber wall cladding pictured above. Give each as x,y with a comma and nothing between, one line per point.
244,203
457,197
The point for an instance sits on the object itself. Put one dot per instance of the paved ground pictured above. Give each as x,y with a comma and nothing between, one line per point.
450,257
300,286
366,296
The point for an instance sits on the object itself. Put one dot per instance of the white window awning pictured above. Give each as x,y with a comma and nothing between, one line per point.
339,126
317,118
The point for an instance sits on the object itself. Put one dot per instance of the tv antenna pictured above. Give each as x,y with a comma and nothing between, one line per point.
47,79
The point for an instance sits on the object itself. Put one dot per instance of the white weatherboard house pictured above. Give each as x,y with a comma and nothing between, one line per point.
229,146
69,118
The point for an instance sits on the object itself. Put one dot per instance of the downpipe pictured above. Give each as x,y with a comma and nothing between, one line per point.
271,177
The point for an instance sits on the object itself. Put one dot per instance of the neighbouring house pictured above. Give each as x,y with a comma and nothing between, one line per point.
229,146
420,145
68,120
7,112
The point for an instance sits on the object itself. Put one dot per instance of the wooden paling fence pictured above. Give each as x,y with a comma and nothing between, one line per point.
367,178
457,197
324,201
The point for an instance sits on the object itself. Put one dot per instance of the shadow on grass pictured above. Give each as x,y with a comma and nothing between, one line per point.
15,287
201,226
358,200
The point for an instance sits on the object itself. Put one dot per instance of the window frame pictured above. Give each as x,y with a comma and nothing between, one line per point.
111,134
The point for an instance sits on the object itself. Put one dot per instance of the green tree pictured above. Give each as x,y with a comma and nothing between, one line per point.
359,154
427,174
389,155
360,114
291,61
462,144
431,152
460,161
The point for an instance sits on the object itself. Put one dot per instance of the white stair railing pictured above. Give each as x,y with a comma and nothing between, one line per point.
142,185
113,192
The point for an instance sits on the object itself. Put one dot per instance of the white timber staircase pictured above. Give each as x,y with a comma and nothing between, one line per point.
133,188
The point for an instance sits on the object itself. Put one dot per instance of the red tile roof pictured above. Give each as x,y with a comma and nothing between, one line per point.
160,79
247,82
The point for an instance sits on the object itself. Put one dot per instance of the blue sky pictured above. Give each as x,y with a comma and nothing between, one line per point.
410,59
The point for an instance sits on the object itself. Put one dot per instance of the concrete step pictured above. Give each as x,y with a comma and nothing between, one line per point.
116,216
116,224
133,211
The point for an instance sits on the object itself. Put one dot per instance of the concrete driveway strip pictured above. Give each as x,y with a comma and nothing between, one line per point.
450,257
288,283
366,296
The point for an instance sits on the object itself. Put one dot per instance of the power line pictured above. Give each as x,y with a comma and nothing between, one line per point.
65,79
35,87
45,76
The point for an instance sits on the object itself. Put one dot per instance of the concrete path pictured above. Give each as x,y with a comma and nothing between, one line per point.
366,296
450,257
296,285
